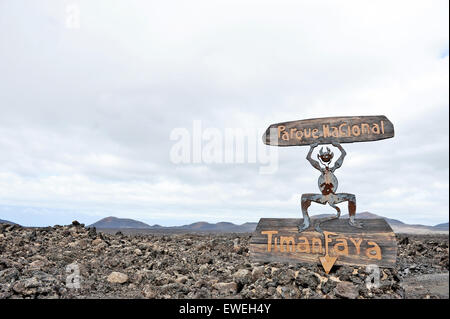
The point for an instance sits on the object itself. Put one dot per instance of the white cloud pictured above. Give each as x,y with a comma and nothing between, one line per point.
86,113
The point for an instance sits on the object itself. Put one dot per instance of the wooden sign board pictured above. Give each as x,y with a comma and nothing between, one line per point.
325,130
278,240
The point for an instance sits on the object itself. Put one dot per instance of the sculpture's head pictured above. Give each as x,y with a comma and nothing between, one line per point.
326,156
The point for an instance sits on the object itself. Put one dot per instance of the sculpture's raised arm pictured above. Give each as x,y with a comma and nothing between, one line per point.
341,158
314,163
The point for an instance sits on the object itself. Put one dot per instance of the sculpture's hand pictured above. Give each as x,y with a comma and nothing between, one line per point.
341,158
314,163
336,144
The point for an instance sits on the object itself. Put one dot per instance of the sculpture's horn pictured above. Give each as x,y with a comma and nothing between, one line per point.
328,150
321,151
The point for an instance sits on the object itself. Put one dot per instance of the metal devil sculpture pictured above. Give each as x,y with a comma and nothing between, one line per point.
328,184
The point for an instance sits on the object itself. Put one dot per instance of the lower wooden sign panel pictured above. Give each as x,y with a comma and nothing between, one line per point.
278,240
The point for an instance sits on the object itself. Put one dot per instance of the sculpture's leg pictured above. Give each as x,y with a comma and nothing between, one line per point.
338,210
351,199
338,214
306,202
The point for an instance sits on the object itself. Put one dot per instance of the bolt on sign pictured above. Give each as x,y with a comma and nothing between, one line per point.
328,240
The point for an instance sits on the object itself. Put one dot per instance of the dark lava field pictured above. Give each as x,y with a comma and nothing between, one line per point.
77,262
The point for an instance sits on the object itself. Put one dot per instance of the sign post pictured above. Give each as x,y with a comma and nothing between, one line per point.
342,242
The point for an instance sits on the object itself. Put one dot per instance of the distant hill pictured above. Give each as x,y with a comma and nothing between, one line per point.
443,226
118,223
134,226
114,224
2,221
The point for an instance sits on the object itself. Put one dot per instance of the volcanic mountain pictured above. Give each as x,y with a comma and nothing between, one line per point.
2,221
117,223
114,223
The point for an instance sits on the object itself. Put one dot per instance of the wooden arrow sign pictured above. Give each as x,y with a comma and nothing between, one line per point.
328,129
327,262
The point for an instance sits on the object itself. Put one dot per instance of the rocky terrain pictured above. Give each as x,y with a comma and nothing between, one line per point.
45,262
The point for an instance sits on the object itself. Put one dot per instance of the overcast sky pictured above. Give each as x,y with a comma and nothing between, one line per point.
91,90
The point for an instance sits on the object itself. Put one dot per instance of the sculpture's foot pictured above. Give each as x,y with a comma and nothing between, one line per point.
318,222
355,223
303,227
318,229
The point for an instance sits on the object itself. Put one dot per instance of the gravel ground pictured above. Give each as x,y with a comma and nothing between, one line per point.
42,262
